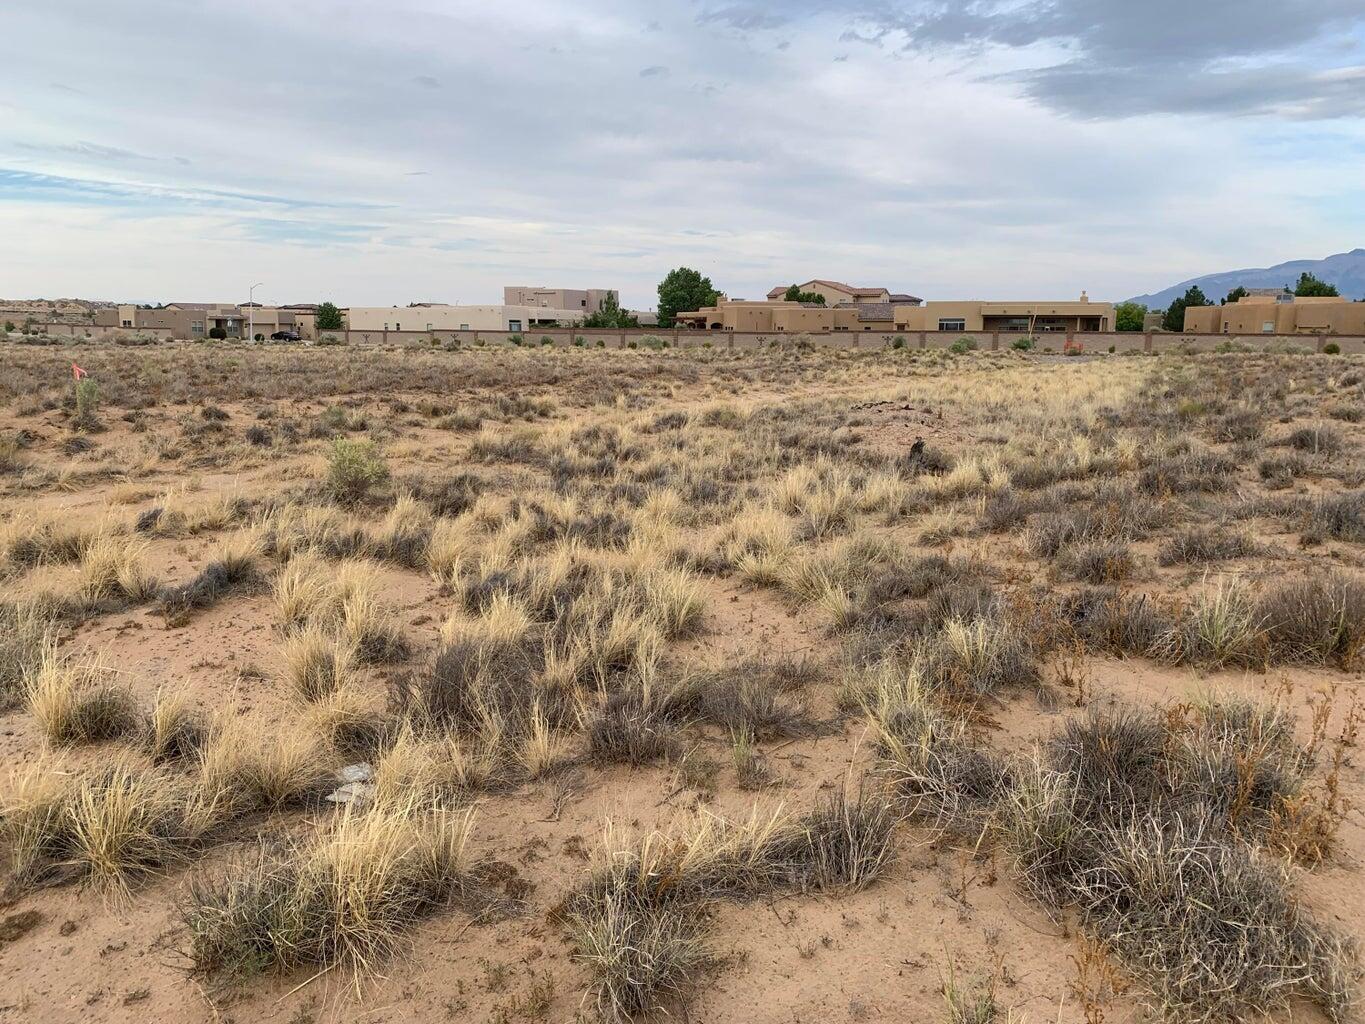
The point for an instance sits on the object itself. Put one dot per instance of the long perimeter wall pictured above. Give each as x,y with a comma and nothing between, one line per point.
1058,342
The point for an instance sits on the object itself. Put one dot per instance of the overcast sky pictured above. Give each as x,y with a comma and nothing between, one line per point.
435,150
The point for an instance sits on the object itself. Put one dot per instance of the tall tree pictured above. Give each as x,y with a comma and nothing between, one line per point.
681,291
1174,320
328,317
1237,293
1310,285
610,315
1128,316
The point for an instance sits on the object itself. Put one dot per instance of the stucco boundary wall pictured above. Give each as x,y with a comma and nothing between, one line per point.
1058,342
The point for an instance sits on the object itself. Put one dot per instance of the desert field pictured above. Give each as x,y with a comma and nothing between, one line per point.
740,688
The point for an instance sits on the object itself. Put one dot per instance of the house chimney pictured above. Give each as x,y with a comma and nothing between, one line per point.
1084,297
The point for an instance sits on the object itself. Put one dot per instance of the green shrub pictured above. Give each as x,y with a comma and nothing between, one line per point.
87,404
962,346
1112,349
217,333
515,339
545,339
1331,349
580,341
601,343
632,344
653,341
331,339
898,342
1022,344
353,467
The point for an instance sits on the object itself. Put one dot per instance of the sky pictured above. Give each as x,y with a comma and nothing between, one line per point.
434,150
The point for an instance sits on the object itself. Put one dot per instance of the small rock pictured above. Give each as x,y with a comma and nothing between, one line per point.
361,772
352,792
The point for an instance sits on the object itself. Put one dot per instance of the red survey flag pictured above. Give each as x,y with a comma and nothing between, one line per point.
77,372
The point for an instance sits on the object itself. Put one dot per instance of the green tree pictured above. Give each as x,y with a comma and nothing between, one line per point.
1128,316
328,317
684,290
1174,319
1309,285
795,294
1237,293
610,315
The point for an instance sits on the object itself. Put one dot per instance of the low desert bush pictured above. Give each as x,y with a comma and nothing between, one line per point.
343,900
25,633
78,701
231,570
113,568
1098,562
1316,620
354,468
1203,544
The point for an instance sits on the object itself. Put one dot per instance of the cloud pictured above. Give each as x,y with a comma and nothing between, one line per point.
974,149
1219,57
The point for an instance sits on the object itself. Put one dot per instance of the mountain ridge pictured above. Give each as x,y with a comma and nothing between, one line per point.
1346,270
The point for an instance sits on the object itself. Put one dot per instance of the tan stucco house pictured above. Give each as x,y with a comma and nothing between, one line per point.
1278,313
1030,317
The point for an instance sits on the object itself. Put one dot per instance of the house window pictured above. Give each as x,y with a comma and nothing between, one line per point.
582,302
196,327
127,323
464,327
952,324
514,325
428,326
1268,327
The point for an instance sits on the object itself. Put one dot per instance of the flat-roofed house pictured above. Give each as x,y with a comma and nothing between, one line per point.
1027,317
1271,312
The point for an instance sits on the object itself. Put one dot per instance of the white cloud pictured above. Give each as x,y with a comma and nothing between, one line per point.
438,150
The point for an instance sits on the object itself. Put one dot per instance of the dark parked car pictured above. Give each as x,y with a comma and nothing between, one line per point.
285,336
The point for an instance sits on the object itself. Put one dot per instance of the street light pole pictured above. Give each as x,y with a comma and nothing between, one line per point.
251,310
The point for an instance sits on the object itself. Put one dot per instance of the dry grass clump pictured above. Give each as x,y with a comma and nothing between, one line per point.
114,568
639,923
343,900
927,756
1221,627
404,534
1320,440
1151,827
1316,620
108,825
78,701
177,514
1336,517
1117,623
231,569
296,529
1098,562
318,663
1206,544
242,769
175,730
343,601
25,633
48,539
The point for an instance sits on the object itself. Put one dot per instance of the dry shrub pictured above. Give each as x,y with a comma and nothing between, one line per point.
175,730
231,569
244,769
1206,544
78,701
1221,627
114,568
25,633
317,664
1316,620
639,923
343,900
1098,562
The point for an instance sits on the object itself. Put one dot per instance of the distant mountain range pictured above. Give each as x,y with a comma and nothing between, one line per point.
1346,270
